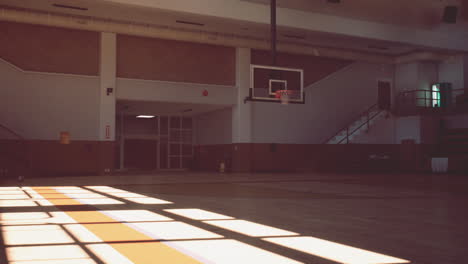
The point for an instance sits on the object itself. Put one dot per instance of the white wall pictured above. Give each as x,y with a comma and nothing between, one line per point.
213,128
452,71
406,77
465,68
330,104
427,75
455,71
5,134
408,128
422,129
381,132
416,76
158,91
40,105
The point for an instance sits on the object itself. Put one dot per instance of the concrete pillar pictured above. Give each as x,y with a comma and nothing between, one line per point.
242,114
465,72
108,66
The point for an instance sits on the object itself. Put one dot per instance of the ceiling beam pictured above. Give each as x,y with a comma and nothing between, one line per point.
440,36
164,32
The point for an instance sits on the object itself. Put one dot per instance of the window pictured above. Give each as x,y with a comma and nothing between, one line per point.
435,95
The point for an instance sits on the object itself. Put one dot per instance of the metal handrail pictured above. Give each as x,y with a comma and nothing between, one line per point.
425,97
366,112
367,122
421,90
407,101
12,132
22,140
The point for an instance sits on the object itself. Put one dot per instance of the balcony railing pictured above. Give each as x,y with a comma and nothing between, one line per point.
416,102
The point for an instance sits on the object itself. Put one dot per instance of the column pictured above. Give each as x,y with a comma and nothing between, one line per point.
107,115
242,114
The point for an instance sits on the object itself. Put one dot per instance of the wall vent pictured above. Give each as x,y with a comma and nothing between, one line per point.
190,23
294,36
71,7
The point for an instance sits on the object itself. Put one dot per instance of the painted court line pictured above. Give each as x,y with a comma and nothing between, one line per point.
112,232
130,236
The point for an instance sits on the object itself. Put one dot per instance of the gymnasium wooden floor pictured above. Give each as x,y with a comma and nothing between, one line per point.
236,218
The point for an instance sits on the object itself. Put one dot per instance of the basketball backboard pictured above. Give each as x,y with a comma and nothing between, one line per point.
265,81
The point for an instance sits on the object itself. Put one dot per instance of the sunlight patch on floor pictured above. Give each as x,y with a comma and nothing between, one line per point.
135,215
250,228
129,196
127,236
198,214
35,235
173,231
228,251
334,251
48,254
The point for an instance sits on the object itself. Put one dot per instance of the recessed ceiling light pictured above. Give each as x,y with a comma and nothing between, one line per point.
145,116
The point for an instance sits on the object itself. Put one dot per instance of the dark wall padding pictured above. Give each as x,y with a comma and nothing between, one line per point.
175,61
50,49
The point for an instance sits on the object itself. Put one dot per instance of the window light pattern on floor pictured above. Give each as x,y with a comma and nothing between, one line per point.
198,214
130,196
100,235
250,228
334,251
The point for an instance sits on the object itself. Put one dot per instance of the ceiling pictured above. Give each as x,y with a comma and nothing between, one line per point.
408,13
122,12
164,108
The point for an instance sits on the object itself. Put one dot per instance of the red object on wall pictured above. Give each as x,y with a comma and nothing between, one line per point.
205,92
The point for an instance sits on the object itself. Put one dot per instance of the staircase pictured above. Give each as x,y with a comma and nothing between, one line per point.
14,160
360,125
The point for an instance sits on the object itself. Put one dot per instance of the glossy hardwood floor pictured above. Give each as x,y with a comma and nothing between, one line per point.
410,218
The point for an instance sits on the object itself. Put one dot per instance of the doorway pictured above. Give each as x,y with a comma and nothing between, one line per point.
384,94
154,142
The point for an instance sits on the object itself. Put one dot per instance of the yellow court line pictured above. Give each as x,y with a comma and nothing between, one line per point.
138,253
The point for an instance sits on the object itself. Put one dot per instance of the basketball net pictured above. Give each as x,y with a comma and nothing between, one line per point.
283,95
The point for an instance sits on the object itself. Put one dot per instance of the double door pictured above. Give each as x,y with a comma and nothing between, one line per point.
162,142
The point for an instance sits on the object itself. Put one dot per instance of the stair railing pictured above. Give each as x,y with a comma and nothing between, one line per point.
366,122
24,144
12,132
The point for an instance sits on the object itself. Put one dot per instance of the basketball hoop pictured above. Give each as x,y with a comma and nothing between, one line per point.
284,96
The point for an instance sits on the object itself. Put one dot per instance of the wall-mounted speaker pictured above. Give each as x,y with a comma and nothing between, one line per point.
450,14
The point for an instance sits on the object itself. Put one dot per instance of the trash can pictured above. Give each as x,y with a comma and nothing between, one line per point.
439,165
